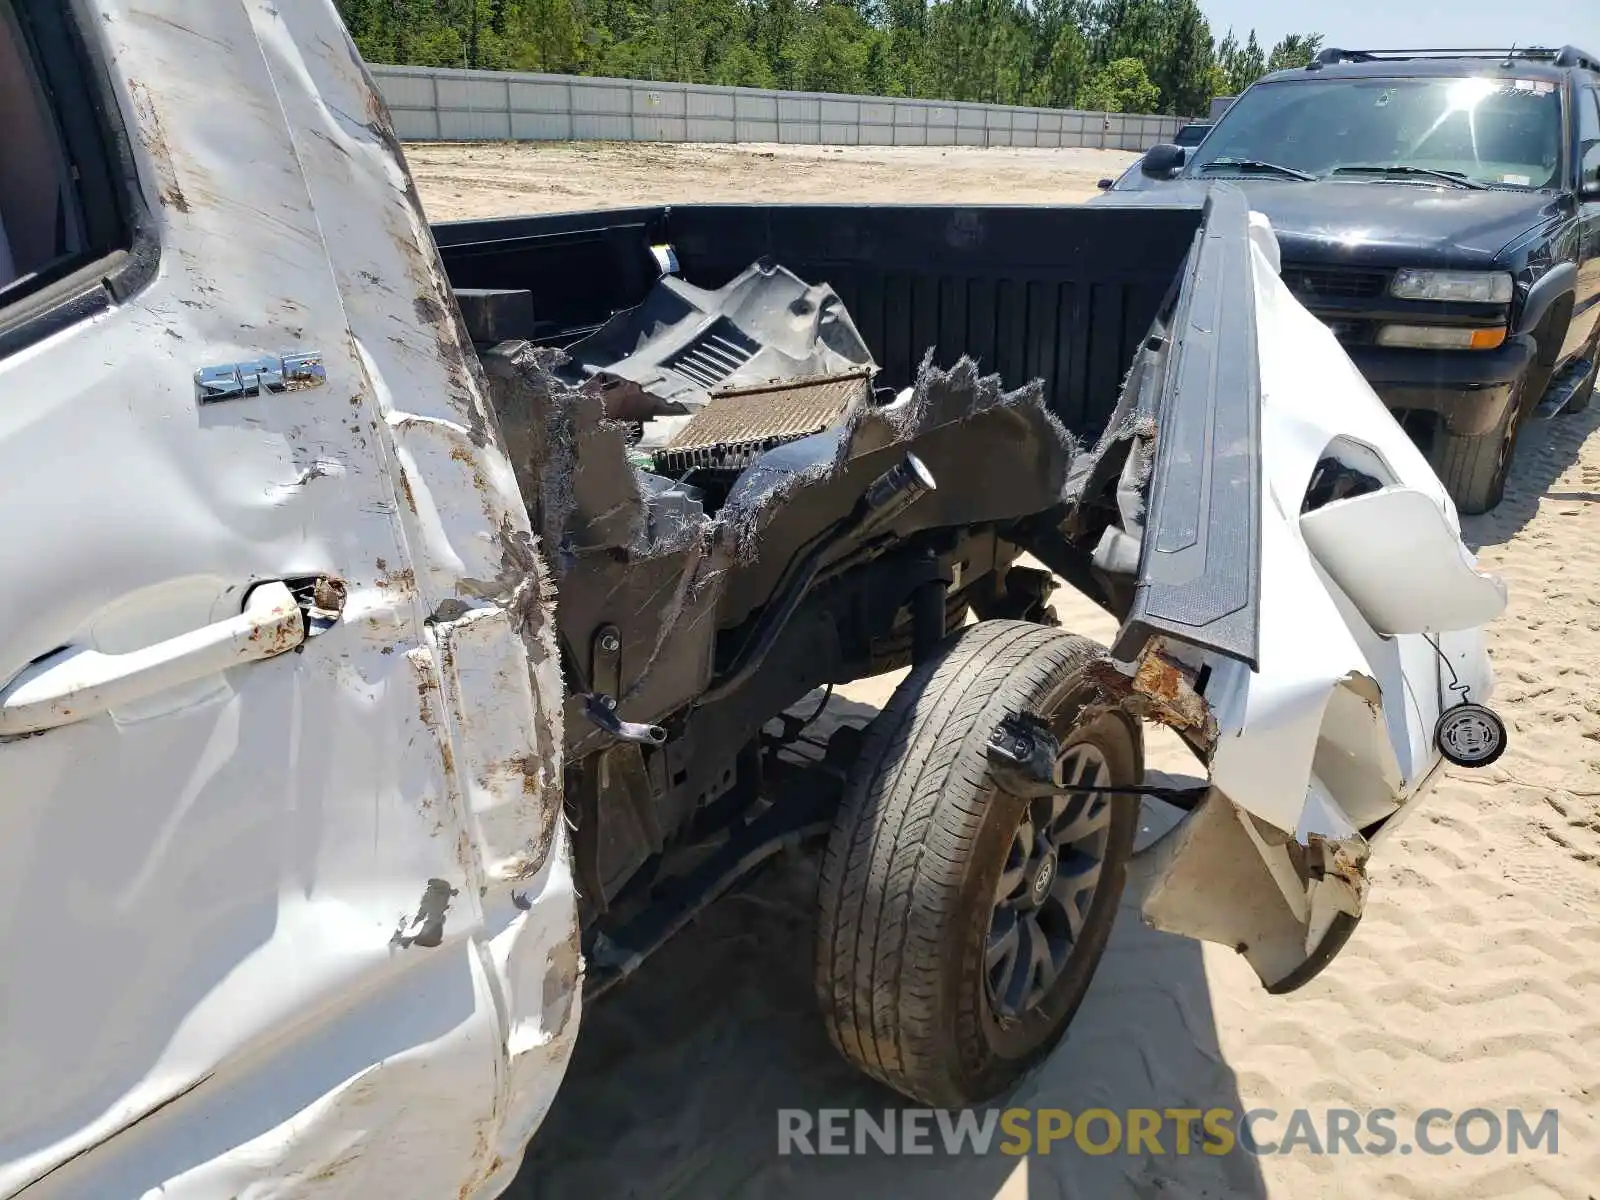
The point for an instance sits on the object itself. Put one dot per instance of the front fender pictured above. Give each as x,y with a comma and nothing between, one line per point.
1556,283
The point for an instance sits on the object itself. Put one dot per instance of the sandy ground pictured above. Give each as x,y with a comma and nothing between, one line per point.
1473,982
464,181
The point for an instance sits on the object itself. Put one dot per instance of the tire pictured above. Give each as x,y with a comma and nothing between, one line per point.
909,890
1474,469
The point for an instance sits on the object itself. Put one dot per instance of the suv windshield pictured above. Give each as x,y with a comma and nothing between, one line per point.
1502,132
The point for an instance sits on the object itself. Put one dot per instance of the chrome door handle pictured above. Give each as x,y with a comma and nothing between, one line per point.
75,684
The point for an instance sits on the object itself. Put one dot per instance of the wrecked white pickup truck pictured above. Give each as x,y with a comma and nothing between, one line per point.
381,671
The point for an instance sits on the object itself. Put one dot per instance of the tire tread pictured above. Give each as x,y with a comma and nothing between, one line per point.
894,867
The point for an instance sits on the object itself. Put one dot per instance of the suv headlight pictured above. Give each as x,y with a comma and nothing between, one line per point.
1460,287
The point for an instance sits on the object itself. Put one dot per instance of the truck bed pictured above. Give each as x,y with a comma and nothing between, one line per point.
1064,294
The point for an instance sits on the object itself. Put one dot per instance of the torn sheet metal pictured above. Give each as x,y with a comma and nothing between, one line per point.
1318,752
1159,687
657,561
1286,907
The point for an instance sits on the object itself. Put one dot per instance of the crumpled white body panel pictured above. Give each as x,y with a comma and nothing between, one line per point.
1334,733
304,926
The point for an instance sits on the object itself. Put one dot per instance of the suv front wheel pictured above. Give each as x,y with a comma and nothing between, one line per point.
1473,468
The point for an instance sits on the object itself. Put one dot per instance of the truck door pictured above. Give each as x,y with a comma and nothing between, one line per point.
278,870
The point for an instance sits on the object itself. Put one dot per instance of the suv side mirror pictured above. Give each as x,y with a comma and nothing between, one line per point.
1105,184
1589,181
1160,162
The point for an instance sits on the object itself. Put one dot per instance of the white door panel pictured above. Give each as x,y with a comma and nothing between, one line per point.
241,892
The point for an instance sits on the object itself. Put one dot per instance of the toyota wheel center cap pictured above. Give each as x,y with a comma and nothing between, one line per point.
1043,878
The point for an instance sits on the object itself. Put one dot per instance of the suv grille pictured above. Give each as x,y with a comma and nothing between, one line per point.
1334,283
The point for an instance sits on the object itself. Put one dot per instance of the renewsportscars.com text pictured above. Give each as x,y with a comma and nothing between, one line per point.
1169,1131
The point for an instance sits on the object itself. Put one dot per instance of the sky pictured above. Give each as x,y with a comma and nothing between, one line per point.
1414,24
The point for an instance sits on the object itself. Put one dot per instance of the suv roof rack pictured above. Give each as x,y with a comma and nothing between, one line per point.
1566,56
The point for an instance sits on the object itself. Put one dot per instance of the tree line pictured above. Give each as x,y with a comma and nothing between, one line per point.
1103,55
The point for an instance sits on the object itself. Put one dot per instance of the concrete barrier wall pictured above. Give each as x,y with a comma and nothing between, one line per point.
438,104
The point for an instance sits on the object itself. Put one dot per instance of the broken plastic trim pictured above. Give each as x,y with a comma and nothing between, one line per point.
1339,931
1199,579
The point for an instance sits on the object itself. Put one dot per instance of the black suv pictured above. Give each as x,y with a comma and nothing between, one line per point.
1440,211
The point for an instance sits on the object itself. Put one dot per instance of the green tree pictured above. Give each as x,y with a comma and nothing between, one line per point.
835,53
877,77
1184,70
1045,21
1226,60
955,44
1296,50
545,35
906,50
1130,55
1007,56
743,66
1065,72
1249,65
1121,86
780,28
